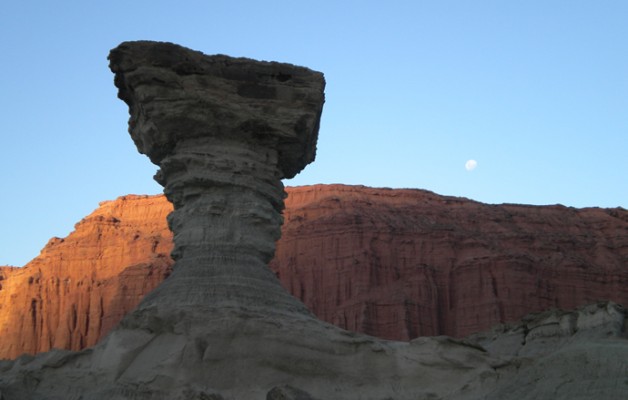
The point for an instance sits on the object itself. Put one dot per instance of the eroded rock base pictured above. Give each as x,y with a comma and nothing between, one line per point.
232,354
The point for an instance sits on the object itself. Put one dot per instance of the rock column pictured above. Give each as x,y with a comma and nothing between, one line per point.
224,132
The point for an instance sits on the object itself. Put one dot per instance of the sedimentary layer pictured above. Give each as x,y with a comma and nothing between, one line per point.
80,286
404,263
392,263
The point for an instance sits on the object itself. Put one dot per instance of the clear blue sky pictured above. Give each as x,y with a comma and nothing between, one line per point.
536,91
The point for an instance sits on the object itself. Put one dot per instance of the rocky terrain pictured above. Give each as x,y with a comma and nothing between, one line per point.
392,263
80,286
224,132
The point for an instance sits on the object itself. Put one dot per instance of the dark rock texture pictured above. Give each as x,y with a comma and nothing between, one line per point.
176,95
288,393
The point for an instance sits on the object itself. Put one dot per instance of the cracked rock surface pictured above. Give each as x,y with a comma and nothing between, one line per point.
224,132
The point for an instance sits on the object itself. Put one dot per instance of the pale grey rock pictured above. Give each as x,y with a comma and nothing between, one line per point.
540,333
560,354
224,132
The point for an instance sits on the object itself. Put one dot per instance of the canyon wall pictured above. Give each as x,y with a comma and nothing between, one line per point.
392,263
405,263
79,287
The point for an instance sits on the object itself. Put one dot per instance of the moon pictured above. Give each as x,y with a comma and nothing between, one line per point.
470,165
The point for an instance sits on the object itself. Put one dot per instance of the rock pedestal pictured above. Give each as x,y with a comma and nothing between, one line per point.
224,132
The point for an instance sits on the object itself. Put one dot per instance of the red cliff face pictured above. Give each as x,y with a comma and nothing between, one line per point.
391,263
79,287
404,263
5,272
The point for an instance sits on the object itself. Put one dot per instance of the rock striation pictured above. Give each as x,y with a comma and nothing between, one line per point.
81,286
400,263
352,254
224,132
234,333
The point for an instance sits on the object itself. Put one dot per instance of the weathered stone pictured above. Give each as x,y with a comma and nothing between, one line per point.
545,332
392,263
177,96
399,263
190,394
81,286
288,392
224,132
577,354
238,338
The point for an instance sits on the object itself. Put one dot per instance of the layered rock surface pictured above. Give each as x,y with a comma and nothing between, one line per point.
392,263
221,326
557,354
224,132
80,286
5,271
403,263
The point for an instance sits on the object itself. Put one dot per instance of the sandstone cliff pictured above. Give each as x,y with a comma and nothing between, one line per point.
392,263
79,287
404,263
5,272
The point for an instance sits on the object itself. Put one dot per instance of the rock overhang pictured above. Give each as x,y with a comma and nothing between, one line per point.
174,93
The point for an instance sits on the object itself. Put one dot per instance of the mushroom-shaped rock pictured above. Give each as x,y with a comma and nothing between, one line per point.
224,132
178,95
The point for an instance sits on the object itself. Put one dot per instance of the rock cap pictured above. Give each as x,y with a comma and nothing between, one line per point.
175,93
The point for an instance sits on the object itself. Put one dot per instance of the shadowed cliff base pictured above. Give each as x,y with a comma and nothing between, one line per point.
224,132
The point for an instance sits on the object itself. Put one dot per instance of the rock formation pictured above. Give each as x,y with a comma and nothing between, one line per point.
224,132
81,286
6,271
555,354
400,263
395,264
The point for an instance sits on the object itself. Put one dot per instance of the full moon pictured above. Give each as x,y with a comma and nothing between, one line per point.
470,165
